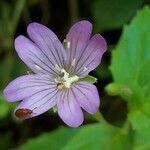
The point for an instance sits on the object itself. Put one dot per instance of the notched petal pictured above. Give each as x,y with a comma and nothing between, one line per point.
48,42
87,96
91,56
78,36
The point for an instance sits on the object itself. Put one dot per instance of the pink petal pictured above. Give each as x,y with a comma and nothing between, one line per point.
69,110
48,42
27,85
78,36
87,96
34,57
39,102
91,56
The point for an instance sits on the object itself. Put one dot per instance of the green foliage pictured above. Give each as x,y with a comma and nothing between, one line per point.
11,67
93,137
118,89
99,136
89,79
131,57
9,18
5,107
143,77
141,125
5,140
130,69
9,15
55,140
112,14
6,67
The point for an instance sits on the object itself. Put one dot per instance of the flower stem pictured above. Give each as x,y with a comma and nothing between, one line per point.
98,116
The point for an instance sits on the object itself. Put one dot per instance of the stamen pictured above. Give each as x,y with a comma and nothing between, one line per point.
62,74
73,62
57,67
66,74
60,86
65,81
84,68
66,44
38,67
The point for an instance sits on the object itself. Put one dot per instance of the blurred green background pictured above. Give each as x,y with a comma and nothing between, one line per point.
123,76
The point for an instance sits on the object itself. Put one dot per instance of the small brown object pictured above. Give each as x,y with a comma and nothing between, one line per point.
23,113
60,86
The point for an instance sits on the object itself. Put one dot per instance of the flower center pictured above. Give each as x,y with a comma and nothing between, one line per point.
65,80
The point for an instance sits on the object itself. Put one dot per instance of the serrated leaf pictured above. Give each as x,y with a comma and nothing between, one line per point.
99,136
131,57
141,125
130,68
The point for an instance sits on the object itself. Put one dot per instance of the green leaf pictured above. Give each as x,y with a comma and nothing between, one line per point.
93,137
55,140
5,10
89,79
131,57
6,140
112,14
118,89
19,6
99,136
102,72
130,68
6,67
141,124
144,78
5,107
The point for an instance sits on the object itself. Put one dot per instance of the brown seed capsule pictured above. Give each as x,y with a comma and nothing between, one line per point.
23,113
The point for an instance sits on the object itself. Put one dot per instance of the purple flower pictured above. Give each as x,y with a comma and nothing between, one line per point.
58,74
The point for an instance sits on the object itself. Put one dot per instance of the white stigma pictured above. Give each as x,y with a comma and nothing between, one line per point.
68,80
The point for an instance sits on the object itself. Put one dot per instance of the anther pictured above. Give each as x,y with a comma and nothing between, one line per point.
60,86
66,44
73,62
